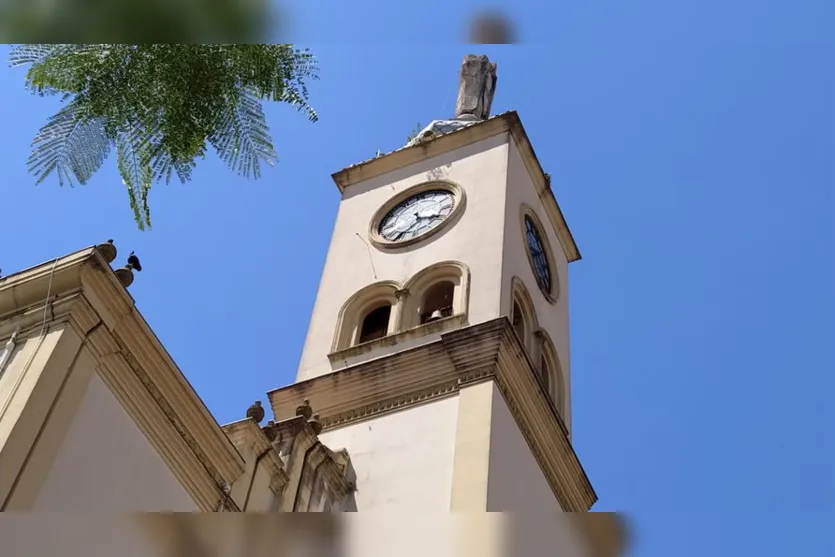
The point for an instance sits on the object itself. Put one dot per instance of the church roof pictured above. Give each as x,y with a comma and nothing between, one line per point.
434,130
440,127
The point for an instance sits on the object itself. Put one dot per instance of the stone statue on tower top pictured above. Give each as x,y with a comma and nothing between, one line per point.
476,87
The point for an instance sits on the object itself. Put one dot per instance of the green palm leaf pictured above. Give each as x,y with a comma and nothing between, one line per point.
57,68
72,144
242,139
133,159
162,105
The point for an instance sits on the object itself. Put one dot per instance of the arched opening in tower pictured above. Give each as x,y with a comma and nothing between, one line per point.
376,324
437,302
518,321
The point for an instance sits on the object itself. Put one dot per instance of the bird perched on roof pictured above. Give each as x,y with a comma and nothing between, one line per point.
256,412
133,262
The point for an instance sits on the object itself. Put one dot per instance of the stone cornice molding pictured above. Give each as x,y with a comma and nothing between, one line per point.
484,352
334,472
83,291
247,433
25,289
308,458
161,386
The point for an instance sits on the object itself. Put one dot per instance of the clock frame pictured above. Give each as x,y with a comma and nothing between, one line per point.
383,212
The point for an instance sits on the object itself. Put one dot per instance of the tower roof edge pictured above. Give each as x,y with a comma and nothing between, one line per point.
455,137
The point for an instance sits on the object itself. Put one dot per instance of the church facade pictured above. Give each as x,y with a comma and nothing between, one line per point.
435,376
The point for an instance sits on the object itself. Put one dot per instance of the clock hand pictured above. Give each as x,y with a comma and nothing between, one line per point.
432,213
402,223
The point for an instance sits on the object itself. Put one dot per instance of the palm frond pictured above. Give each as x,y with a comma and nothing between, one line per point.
57,68
162,105
134,163
293,68
36,53
298,99
164,166
162,162
72,144
30,53
242,137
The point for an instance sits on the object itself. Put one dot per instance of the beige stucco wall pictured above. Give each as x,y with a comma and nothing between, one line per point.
403,461
515,480
551,317
106,463
37,373
261,497
488,239
21,373
479,431
475,240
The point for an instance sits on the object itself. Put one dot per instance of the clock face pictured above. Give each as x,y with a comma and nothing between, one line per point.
541,268
417,215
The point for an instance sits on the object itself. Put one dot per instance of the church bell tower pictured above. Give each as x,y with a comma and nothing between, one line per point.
438,350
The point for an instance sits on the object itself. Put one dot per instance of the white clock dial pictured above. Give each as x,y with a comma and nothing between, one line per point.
417,215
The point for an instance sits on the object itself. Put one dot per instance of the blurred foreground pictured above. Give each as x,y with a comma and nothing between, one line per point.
137,21
293,535
180,21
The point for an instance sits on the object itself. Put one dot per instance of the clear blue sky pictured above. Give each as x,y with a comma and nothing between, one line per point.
691,149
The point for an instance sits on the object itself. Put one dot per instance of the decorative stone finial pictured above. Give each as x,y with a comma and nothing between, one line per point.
270,430
256,412
315,424
125,275
305,410
476,87
108,251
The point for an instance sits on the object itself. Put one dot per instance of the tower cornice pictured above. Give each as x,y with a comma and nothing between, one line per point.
488,351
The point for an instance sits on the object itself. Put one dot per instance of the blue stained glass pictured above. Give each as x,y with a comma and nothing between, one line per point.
542,271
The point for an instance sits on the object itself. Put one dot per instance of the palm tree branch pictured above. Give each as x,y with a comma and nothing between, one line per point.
134,163
72,144
242,137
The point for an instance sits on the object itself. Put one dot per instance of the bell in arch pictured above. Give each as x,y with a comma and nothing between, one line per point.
435,316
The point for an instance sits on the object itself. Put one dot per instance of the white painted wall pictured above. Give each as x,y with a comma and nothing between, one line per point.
403,461
552,317
515,480
475,240
107,464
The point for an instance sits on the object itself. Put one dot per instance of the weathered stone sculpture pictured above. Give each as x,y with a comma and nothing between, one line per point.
256,412
477,85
